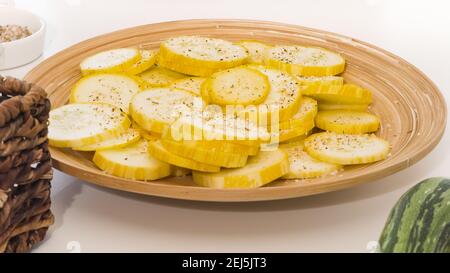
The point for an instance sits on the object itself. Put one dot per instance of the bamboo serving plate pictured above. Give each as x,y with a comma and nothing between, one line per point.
412,110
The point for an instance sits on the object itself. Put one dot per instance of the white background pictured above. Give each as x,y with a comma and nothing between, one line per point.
99,219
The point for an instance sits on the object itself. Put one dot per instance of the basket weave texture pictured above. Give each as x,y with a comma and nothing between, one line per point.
25,165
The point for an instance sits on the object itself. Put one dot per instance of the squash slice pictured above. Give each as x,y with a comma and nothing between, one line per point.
335,94
305,61
211,124
336,106
259,171
208,156
283,99
236,86
160,76
115,60
132,162
303,166
123,139
200,56
346,149
148,59
157,150
347,122
155,109
256,50
305,114
115,89
316,81
190,84
75,125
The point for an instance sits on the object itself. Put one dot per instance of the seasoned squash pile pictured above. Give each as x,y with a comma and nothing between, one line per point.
232,115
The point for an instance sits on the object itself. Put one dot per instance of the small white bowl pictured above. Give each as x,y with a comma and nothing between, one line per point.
26,50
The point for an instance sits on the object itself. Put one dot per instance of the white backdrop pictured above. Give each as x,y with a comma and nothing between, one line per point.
89,218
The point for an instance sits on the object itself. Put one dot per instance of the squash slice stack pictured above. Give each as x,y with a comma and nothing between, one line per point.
260,170
235,115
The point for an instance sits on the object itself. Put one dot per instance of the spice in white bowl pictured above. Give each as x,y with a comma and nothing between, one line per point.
10,33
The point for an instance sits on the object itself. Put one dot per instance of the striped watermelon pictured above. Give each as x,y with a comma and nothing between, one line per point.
420,221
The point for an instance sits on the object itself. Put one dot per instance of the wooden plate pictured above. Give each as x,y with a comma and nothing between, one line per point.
412,110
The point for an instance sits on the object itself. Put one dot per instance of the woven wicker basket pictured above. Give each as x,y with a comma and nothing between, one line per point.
25,166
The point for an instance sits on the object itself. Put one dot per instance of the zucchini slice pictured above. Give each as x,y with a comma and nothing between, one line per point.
346,149
160,76
123,139
213,125
200,56
220,145
335,94
154,109
115,89
256,50
114,60
180,172
157,150
259,171
210,156
305,61
316,81
190,84
287,134
336,106
148,59
347,122
284,96
237,86
306,113
132,162
75,125
303,166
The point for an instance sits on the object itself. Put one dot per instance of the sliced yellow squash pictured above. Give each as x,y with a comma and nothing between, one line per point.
125,138
335,94
75,125
236,86
154,109
256,50
115,89
298,139
303,166
208,156
148,59
190,84
290,133
114,60
225,146
133,162
283,99
316,81
259,171
180,172
160,76
212,124
305,61
306,113
157,150
346,149
200,56
351,107
347,122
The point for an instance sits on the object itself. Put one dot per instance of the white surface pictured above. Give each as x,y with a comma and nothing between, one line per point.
98,219
25,50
